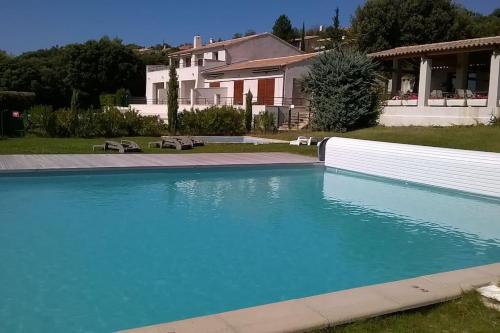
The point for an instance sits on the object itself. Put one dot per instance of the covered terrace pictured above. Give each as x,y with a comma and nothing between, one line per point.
442,84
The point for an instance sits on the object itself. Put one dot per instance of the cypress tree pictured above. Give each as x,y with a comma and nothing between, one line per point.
303,38
248,111
172,102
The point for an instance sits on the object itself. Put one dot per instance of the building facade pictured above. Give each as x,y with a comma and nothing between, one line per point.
222,73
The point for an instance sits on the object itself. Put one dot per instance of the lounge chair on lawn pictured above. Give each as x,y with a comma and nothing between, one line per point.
184,141
124,146
302,140
196,142
170,142
130,146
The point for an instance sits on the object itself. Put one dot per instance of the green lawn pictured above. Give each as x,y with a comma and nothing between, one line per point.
37,145
465,315
486,138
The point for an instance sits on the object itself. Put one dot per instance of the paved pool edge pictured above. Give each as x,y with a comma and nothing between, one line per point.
80,162
304,314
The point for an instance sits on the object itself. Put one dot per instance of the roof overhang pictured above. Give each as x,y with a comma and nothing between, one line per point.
454,47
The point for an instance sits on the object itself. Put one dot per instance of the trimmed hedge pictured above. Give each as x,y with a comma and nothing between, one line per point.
111,122
223,120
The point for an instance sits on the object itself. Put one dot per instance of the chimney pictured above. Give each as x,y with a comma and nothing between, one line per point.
320,28
197,42
211,40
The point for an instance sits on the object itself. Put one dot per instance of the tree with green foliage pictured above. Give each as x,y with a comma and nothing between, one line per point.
336,32
486,25
3,57
303,37
93,67
248,111
100,66
250,32
172,102
342,88
75,100
283,28
384,24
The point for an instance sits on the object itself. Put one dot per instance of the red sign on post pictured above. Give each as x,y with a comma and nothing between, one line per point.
16,114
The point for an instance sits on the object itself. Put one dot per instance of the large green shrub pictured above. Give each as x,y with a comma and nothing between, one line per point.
119,98
66,122
132,122
265,123
111,123
343,92
42,120
152,126
223,120
87,120
107,100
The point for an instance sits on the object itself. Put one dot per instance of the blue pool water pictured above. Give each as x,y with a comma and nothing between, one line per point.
102,252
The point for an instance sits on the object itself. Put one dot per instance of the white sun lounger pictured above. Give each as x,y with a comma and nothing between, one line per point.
302,140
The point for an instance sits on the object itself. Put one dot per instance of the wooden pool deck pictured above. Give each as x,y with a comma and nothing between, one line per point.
305,314
68,162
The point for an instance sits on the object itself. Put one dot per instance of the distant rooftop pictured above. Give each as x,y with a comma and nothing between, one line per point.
263,63
475,44
223,43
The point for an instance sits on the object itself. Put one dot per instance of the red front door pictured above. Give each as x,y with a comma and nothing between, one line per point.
265,92
238,92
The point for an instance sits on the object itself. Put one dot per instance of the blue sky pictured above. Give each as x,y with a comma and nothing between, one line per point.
33,24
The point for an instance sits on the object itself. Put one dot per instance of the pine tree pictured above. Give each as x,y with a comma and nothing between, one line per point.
248,111
347,100
283,28
303,38
172,102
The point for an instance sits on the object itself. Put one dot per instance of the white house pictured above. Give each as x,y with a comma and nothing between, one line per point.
442,84
222,73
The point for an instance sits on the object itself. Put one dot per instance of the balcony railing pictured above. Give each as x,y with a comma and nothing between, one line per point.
266,101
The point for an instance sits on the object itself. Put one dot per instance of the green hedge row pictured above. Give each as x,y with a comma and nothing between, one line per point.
216,120
110,122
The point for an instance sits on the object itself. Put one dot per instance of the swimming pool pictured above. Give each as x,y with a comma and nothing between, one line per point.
99,252
238,139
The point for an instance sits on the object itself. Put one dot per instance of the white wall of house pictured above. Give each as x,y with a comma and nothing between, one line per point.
151,79
434,116
266,46
295,71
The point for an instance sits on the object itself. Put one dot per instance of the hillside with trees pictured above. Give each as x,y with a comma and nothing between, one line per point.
384,24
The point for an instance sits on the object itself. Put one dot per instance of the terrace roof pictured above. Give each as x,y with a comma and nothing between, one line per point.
466,45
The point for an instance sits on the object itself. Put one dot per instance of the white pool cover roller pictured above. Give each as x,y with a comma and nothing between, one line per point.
470,171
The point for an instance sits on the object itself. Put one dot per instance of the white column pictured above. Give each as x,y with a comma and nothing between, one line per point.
494,89
462,71
424,83
192,97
